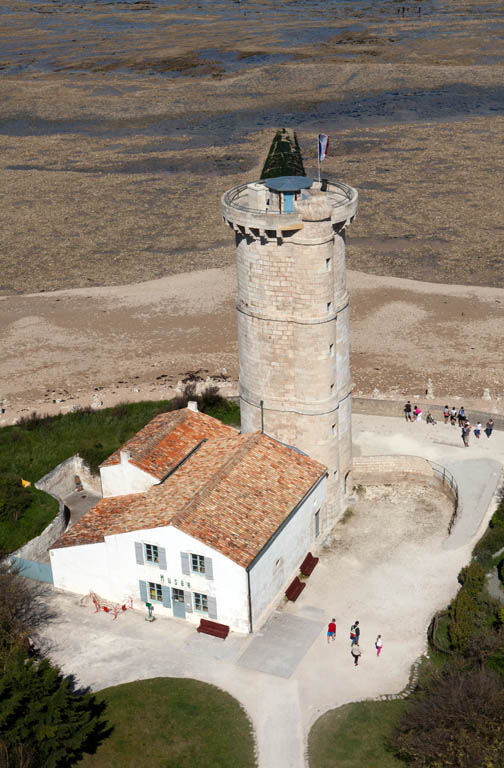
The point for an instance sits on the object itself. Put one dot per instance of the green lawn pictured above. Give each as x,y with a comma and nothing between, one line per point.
353,736
15,533
173,723
33,448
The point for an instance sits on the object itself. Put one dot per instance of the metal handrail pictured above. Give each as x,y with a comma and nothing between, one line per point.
447,478
234,194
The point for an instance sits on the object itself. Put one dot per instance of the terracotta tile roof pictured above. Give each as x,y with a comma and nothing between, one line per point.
232,494
167,439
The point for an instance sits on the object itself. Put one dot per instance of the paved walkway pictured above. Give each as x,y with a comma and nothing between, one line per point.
286,675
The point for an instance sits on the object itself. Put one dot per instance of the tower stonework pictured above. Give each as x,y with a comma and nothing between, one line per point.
293,318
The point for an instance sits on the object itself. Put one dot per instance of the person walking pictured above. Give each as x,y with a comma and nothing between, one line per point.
466,429
489,427
461,416
446,414
356,653
355,633
331,631
378,644
477,430
418,413
453,415
407,411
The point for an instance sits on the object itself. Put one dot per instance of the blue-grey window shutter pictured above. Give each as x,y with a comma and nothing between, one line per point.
188,601
184,560
162,558
208,568
139,552
143,591
166,596
212,607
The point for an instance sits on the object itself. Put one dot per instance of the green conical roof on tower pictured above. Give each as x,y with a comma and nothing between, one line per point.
284,157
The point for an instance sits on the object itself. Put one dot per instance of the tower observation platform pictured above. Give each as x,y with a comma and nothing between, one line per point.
293,317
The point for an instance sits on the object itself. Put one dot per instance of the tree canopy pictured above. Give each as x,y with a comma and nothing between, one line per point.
284,157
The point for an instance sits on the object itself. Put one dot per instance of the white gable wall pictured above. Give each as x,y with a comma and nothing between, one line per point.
125,477
279,564
111,570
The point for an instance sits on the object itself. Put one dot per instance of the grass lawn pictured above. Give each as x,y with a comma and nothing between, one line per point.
173,723
353,736
33,448
15,533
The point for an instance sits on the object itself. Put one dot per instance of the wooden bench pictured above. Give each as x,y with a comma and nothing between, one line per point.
213,628
308,564
294,590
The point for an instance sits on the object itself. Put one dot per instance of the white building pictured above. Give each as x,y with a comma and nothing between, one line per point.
197,519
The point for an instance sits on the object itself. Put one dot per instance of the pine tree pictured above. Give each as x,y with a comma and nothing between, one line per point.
44,722
284,157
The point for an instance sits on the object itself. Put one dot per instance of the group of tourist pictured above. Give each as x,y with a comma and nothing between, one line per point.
355,648
452,416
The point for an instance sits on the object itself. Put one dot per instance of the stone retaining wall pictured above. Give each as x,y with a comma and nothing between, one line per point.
59,483
380,470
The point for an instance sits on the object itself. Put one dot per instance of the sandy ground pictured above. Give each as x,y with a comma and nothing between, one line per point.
390,565
117,343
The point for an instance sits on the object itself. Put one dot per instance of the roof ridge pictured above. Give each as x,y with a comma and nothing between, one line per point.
214,481
176,417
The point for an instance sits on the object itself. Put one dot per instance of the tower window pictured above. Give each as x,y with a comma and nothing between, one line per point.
329,306
332,389
328,264
333,429
331,350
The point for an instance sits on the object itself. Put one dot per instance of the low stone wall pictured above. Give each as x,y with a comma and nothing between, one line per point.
59,483
380,470
367,405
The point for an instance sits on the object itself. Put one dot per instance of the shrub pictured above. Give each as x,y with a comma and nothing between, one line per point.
14,499
459,723
497,520
472,577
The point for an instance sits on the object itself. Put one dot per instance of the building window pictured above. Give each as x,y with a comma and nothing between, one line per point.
333,429
328,264
332,389
198,563
155,592
317,523
178,595
331,350
151,553
200,602
329,306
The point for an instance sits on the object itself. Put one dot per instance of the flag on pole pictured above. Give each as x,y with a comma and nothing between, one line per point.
323,146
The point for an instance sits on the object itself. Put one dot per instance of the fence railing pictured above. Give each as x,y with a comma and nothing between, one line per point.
447,480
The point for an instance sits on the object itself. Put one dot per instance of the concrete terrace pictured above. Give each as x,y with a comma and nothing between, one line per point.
286,675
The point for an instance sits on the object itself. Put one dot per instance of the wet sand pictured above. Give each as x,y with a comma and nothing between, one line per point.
122,123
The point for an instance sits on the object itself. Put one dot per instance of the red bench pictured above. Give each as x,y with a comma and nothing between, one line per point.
213,628
294,590
308,564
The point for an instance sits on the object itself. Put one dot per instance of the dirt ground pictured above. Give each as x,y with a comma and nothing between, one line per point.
133,342
121,124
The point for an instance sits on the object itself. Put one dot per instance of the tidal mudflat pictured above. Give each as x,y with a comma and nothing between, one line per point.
121,122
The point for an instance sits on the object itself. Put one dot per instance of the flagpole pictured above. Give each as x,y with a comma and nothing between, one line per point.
318,157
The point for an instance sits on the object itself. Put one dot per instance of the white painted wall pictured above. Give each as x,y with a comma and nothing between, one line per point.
277,567
123,478
110,569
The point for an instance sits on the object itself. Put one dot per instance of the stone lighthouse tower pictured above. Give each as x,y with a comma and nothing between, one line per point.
293,317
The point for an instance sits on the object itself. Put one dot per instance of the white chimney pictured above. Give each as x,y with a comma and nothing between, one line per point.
193,405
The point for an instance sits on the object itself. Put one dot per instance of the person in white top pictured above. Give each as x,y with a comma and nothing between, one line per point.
477,429
378,644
